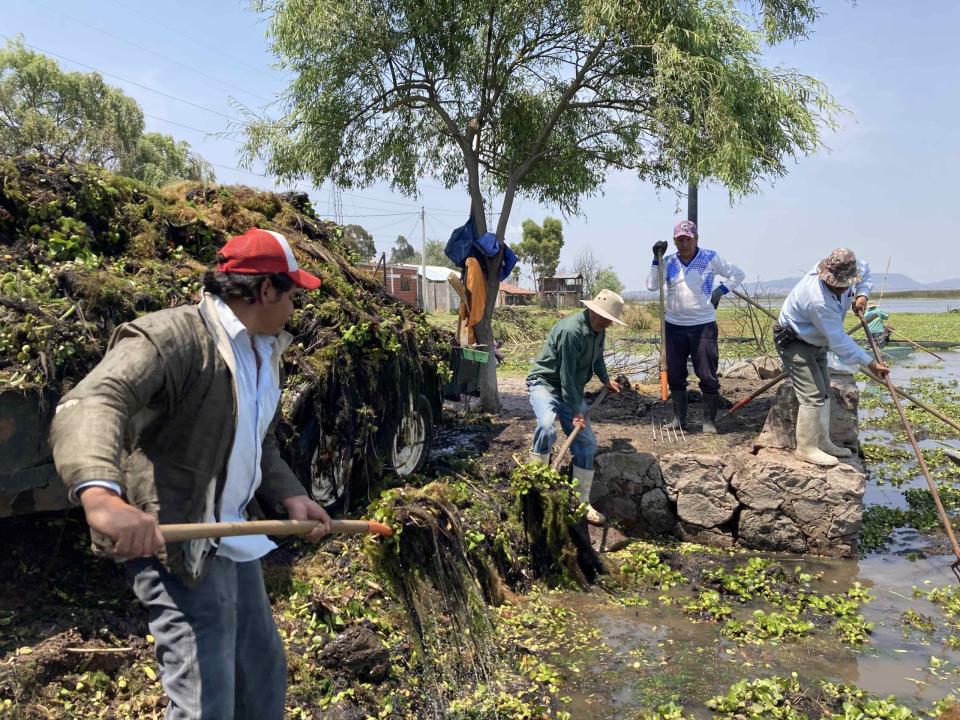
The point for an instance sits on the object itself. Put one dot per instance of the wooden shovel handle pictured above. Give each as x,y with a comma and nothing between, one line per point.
558,460
194,531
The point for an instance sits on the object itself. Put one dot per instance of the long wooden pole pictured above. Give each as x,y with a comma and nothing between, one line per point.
908,429
663,334
918,347
763,388
194,531
558,460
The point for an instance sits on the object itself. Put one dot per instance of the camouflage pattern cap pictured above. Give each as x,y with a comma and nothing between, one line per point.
685,227
839,268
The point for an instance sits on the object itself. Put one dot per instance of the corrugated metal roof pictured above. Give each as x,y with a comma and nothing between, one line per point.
435,273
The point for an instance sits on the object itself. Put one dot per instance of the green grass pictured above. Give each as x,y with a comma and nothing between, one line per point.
523,330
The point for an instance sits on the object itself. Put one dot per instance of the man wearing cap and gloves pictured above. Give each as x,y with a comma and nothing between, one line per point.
571,355
692,295
810,323
176,425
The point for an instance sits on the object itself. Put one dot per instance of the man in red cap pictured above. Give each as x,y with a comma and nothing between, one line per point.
176,424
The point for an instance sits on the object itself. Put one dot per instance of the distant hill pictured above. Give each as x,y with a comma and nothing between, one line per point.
896,282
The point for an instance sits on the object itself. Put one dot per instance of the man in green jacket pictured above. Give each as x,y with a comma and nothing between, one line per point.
571,355
176,425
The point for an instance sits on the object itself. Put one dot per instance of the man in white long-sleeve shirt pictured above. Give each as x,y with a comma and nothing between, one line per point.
810,323
692,295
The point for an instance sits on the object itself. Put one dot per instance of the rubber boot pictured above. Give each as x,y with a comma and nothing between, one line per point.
679,409
542,458
585,482
711,402
808,435
825,443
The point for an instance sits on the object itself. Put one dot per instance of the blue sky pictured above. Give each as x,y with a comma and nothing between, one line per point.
886,186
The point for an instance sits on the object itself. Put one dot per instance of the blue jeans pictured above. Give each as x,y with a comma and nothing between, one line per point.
217,644
548,408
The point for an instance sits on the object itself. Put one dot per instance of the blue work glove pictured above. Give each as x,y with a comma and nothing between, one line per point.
718,292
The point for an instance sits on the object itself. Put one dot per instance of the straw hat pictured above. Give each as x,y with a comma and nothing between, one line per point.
607,304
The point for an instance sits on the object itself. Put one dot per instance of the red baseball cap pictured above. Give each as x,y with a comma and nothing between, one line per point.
264,251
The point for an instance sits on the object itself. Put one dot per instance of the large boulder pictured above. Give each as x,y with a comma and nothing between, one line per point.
768,366
741,371
789,504
697,484
629,488
779,430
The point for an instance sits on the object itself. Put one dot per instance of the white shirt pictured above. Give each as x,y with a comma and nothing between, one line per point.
816,315
257,393
688,286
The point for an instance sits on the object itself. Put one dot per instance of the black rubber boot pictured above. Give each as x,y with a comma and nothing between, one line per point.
710,405
679,409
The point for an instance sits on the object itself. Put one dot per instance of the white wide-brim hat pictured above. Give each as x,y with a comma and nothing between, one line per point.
607,304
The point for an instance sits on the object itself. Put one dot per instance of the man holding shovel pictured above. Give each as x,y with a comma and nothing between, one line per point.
571,355
810,323
692,296
176,425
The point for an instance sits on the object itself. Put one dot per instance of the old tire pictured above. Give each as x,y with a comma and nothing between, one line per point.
410,444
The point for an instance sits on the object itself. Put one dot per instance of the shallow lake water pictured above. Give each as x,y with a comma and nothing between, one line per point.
653,654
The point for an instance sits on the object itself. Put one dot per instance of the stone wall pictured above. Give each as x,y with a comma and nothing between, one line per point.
762,498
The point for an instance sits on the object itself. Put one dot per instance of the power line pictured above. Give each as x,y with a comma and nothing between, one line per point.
206,44
154,53
123,79
190,127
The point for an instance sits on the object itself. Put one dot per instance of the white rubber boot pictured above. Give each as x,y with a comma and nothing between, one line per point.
585,482
542,458
825,443
808,436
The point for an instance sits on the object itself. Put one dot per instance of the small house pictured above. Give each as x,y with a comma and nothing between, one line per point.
561,290
439,295
400,281
511,295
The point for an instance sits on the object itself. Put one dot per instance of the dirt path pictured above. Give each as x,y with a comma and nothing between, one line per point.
622,422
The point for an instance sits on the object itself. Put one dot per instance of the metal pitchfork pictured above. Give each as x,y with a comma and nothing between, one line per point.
668,434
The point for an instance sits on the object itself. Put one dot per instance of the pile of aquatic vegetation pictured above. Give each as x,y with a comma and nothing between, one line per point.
400,627
84,250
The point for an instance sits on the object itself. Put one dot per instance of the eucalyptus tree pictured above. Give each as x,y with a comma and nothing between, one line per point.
541,98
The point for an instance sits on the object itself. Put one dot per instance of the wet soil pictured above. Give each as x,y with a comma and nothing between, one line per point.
629,421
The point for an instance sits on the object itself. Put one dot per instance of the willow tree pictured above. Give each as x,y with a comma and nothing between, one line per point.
540,98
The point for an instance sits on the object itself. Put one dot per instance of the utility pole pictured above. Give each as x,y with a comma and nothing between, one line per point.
692,203
423,258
